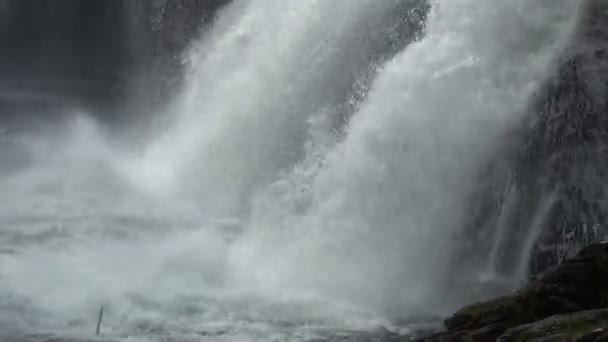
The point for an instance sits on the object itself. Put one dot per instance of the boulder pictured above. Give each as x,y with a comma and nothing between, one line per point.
581,327
579,284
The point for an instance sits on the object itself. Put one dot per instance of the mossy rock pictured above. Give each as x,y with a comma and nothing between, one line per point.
537,301
503,309
577,285
561,328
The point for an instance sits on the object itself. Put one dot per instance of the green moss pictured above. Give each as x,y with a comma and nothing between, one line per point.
519,308
605,298
561,329
480,314
580,328
484,308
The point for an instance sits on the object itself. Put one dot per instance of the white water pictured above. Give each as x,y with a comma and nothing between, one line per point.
250,219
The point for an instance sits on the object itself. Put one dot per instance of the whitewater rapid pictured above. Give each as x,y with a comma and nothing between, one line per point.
308,180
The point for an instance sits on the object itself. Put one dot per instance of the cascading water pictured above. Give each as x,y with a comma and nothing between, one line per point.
311,183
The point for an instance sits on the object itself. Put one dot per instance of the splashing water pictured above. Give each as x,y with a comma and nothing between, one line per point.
291,196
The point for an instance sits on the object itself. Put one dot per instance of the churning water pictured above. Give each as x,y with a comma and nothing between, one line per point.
310,180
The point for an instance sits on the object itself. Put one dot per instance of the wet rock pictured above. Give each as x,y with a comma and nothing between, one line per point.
485,334
599,335
547,189
579,284
580,327
566,148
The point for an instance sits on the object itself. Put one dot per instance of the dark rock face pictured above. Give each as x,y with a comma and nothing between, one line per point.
544,196
161,32
100,51
65,38
568,147
577,285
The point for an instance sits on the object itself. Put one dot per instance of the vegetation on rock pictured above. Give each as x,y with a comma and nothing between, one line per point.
566,304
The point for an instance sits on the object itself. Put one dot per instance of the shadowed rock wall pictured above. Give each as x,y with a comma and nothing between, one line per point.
544,196
99,51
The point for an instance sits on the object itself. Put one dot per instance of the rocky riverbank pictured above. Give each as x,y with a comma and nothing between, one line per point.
567,303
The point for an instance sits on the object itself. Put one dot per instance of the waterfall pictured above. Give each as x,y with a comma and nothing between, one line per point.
370,212
312,174
255,82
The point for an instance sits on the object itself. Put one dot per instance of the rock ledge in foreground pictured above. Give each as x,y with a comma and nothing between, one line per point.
569,290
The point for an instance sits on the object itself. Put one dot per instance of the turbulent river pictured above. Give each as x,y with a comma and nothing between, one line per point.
307,181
